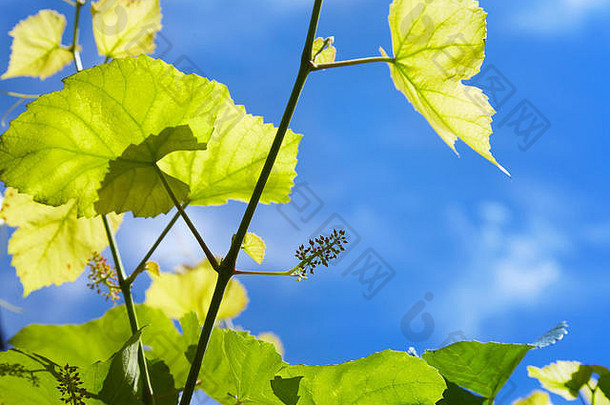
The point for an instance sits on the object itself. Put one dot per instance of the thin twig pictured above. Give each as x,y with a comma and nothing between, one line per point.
131,311
140,268
187,220
353,62
19,95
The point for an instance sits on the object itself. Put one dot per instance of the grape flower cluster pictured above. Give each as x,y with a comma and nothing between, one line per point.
103,277
70,386
319,251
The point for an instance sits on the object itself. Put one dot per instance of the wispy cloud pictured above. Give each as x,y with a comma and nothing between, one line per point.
506,268
557,17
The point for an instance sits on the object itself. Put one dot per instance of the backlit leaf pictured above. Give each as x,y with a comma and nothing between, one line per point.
388,378
436,45
323,50
556,377
37,49
191,289
60,148
133,182
482,368
51,245
125,28
255,247
32,378
239,368
97,340
234,160
27,379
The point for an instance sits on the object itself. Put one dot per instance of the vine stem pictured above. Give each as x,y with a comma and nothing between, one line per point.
187,220
352,62
227,267
78,64
147,390
19,95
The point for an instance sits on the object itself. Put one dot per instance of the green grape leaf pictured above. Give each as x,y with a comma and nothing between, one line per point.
388,377
323,50
456,395
51,245
236,153
60,148
238,368
436,45
97,340
115,381
468,364
254,246
125,28
27,379
191,289
37,49
133,183
535,398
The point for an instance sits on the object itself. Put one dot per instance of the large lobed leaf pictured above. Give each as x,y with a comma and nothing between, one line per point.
436,45
60,149
51,245
37,49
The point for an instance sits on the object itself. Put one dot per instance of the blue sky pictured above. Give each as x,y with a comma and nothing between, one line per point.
487,257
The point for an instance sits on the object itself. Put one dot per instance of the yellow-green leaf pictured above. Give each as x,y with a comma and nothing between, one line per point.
437,44
323,50
555,377
125,28
535,398
255,247
153,268
52,245
37,49
191,289
234,159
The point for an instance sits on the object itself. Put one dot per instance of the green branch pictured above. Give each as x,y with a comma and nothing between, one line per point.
352,62
131,311
142,266
227,267
187,220
19,95
78,64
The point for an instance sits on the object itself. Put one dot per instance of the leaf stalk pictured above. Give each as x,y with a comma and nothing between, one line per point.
131,311
352,62
187,220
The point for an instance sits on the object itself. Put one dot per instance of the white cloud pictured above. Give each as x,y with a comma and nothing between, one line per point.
552,17
506,269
